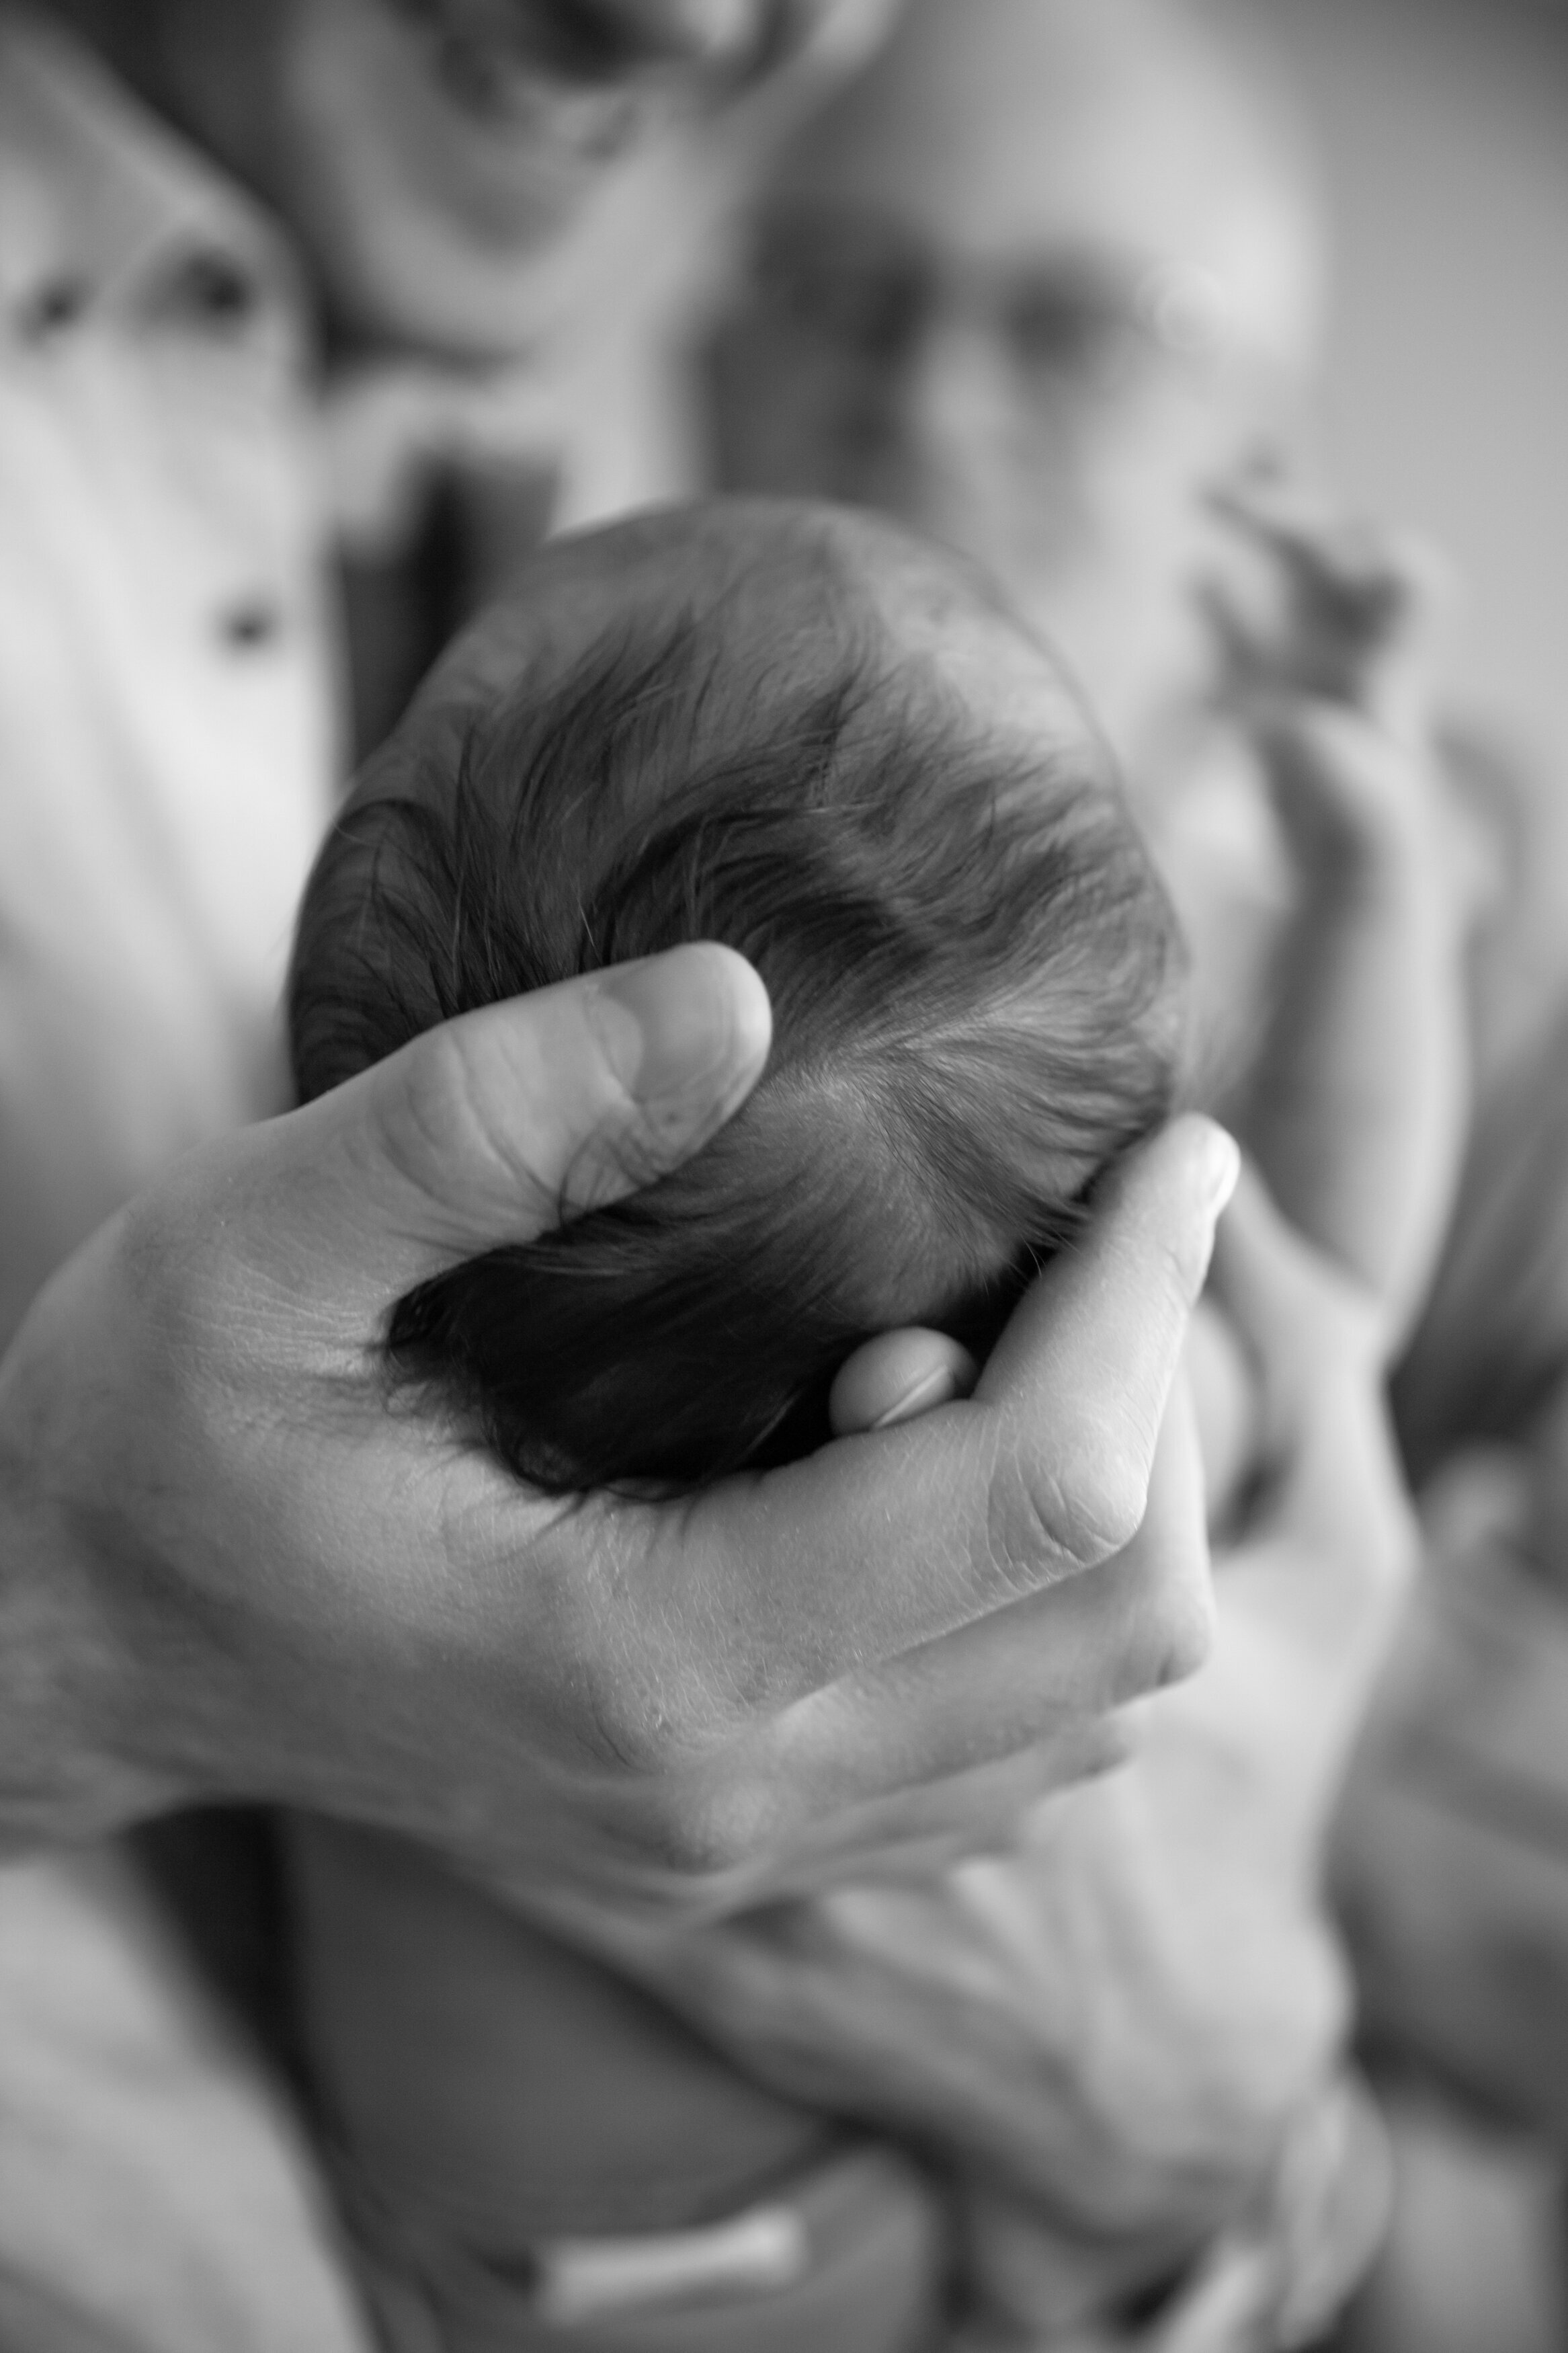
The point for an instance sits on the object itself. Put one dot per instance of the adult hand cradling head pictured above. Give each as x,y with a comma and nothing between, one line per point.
239,1567
230,1569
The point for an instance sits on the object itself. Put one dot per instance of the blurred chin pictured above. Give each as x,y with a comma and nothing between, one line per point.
485,274
427,223
429,292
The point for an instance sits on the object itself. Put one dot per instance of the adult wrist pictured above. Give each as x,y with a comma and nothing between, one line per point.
67,1675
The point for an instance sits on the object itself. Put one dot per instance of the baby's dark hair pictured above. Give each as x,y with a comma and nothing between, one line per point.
973,982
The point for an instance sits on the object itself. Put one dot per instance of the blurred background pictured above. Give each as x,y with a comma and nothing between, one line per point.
1445,129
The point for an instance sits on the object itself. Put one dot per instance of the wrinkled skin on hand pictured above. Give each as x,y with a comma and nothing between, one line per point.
1119,2016
233,1567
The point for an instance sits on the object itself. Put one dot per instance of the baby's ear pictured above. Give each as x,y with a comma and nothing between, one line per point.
897,1375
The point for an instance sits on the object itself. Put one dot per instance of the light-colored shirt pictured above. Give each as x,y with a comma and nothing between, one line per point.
174,473
167,754
167,744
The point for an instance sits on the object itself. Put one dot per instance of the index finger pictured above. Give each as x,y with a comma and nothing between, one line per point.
880,1543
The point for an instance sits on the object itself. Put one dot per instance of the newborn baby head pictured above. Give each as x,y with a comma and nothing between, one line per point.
801,733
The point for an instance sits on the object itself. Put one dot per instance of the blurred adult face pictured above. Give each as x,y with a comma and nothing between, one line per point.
435,158
1031,286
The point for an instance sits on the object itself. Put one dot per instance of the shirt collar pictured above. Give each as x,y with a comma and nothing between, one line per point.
102,203
107,212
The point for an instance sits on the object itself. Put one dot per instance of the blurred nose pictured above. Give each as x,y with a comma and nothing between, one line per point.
955,398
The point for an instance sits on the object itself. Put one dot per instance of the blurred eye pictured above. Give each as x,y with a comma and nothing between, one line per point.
1072,331
484,47
865,308
595,42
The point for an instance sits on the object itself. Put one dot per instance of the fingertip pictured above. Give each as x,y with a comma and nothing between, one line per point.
1193,1165
1146,1249
896,1376
1100,1334
689,1026
1221,1159
742,992
1252,1229
1252,1213
1187,1176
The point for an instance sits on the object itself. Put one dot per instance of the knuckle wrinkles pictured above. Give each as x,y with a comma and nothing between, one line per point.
630,1722
623,1719
1077,1509
1019,1534
188,1297
607,1165
420,1119
1104,1497
645,1692
444,1105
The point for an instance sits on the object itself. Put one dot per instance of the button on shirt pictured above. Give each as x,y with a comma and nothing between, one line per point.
166,689
170,473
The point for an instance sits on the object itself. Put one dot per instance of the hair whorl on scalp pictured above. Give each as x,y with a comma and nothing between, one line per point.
971,970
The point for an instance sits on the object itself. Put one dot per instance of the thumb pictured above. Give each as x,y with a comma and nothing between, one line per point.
506,1121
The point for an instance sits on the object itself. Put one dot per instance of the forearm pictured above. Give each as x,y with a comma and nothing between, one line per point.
1359,1115
119,1698
65,1677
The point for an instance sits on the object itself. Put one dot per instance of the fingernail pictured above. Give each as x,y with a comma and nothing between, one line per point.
694,1022
936,1388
